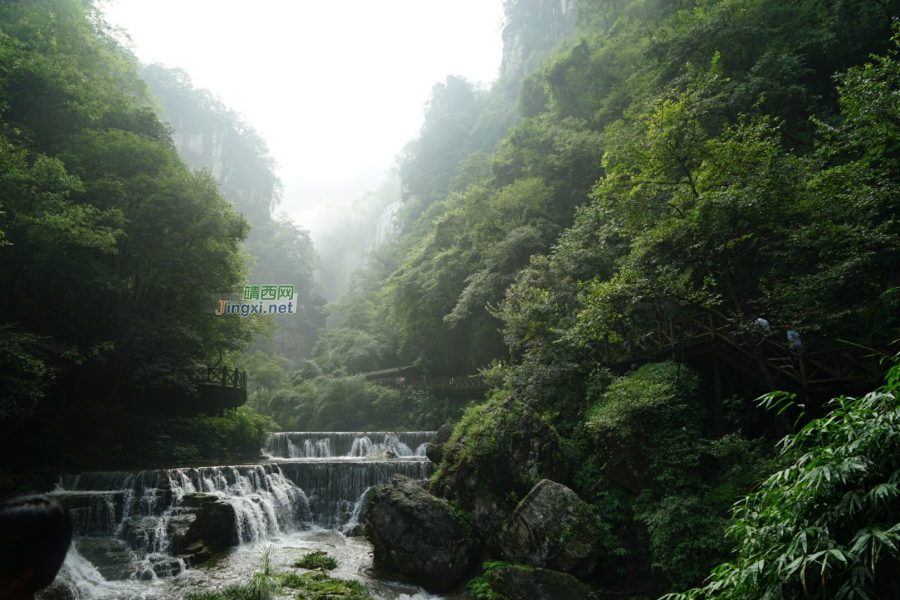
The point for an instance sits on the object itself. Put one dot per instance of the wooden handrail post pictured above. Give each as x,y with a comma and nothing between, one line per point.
720,404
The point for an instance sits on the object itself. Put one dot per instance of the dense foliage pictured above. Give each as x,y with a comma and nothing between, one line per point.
112,245
828,525
736,155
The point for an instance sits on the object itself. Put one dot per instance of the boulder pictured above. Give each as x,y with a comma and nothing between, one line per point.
502,450
141,533
552,529
516,583
418,535
195,554
434,450
215,524
58,590
112,558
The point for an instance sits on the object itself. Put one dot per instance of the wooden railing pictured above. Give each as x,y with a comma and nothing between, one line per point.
469,382
443,384
223,376
817,363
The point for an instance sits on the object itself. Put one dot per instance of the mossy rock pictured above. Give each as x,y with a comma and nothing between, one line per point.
552,528
418,535
496,454
515,583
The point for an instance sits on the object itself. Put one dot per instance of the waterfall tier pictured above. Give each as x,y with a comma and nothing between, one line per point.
334,488
263,500
136,528
322,444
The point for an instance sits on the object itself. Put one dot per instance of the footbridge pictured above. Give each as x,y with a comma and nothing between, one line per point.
818,364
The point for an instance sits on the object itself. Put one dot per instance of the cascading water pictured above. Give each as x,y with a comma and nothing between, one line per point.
385,228
312,444
316,484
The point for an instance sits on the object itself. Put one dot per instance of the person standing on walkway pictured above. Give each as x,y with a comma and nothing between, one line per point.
762,324
793,338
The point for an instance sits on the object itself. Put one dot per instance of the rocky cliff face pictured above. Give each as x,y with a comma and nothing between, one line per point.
533,29
209,135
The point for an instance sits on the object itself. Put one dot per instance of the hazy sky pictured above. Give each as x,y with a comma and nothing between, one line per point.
335,88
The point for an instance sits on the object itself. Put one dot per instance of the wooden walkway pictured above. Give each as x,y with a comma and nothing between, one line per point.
224,377
467,384
760,354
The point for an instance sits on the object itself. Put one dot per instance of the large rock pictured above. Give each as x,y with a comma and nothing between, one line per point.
434,450
112,558
419,535
215,524
503,449
516,583
552,529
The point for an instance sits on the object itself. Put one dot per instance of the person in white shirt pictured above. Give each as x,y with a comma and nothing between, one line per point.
762,323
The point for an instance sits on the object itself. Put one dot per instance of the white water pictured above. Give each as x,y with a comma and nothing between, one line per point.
318,444
295,505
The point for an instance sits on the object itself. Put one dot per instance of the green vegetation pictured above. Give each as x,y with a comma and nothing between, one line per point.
827,525
318,586
316,560
739,156
266,584
479,587
115,250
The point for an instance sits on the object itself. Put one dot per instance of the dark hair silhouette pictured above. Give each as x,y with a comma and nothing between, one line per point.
35,534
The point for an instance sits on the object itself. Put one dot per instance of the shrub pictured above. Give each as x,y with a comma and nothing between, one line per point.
317,560
828,525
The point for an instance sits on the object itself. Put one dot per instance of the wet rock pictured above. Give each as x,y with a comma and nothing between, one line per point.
356,530
538,584
418,535
96,513
165,566
382,454
195,554
434,450
215,524
501,452
141,533
178,529
552,529
57,591
112,558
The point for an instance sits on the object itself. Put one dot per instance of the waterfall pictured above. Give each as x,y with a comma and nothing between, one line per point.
263,500
335,487
135,529
385,228
313,444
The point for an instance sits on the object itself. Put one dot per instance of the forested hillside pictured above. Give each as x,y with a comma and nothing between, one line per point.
114,249
667,160
211,137
664,238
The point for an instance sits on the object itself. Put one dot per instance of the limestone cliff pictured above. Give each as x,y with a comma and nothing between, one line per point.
209,135
533,29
